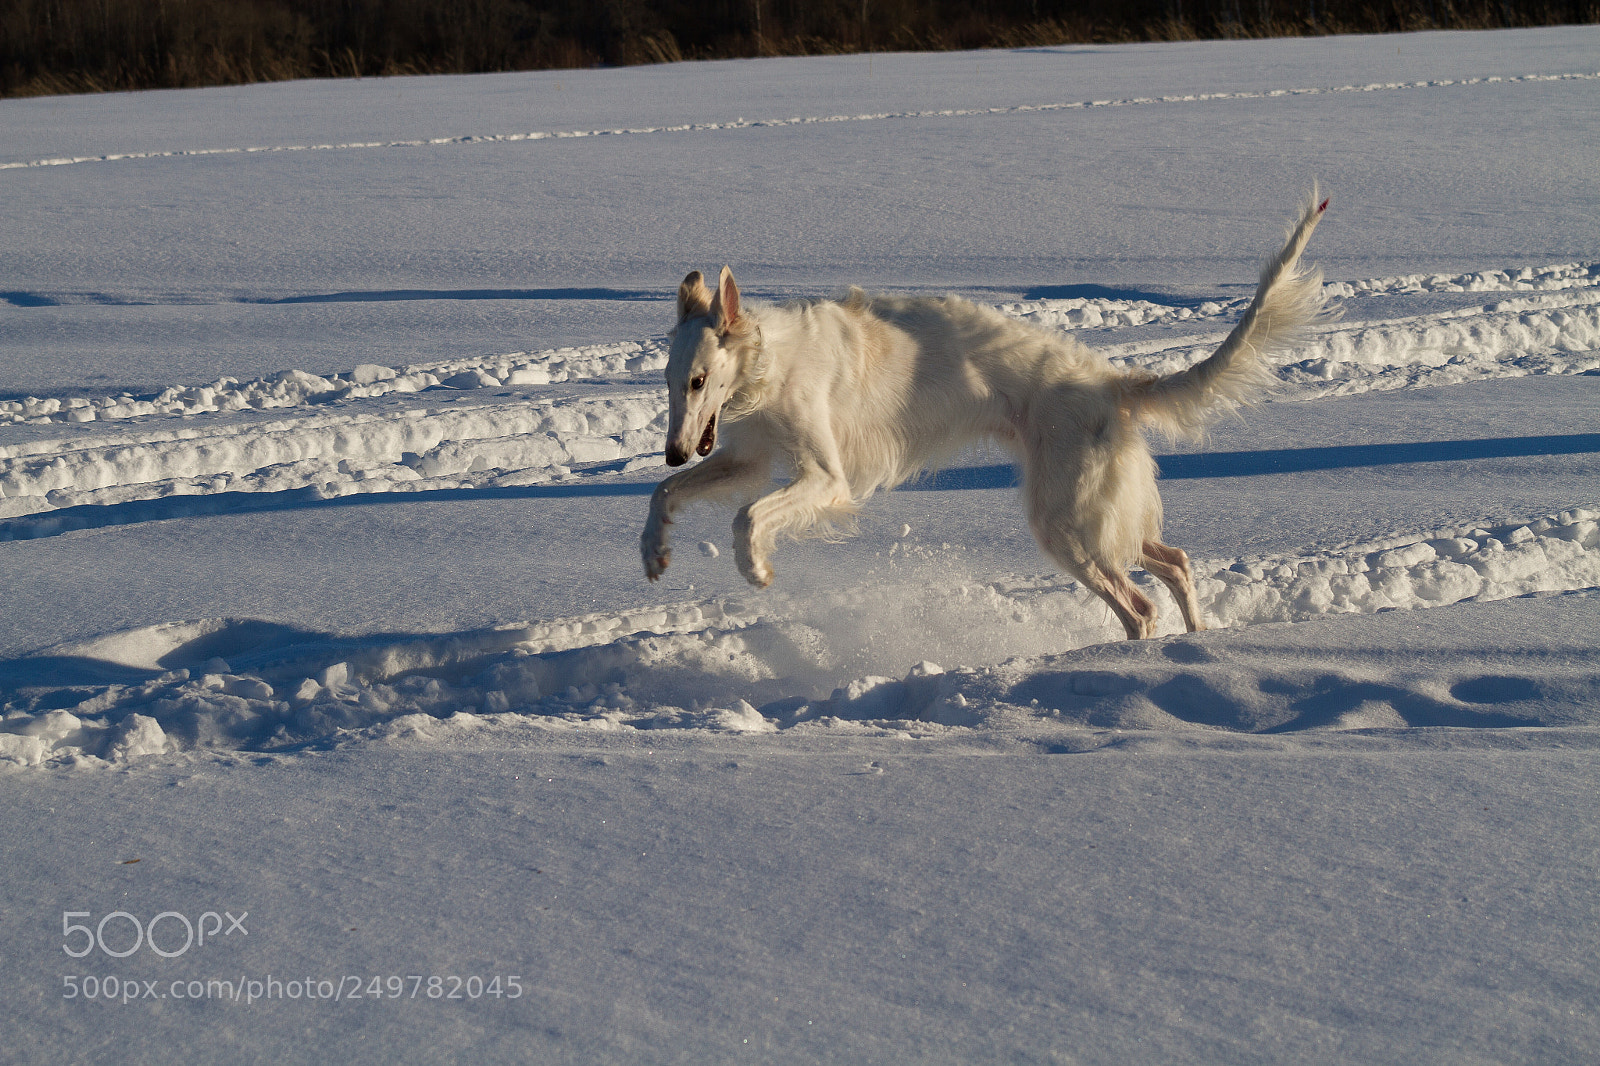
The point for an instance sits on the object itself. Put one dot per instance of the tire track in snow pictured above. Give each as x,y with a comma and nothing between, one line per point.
743,124
294,388
55,487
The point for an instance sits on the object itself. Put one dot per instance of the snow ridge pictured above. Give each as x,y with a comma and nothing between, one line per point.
1103,313
741,124
334,453
728,665
1545,334
295,388
1511,279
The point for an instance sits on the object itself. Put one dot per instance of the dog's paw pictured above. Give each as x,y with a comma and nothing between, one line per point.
752,559
656,565
758,574
655,554
656,561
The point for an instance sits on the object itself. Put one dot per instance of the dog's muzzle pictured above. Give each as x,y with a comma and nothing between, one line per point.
676,456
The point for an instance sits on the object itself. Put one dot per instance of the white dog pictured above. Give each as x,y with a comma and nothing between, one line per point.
849,397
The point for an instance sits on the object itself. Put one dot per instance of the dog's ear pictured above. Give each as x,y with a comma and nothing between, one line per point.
693,297
725,305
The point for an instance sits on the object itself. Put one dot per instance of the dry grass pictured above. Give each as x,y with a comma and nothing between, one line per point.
77,46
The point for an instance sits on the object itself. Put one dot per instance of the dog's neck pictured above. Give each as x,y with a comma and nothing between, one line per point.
750,392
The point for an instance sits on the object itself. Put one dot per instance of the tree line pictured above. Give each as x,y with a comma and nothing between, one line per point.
65,46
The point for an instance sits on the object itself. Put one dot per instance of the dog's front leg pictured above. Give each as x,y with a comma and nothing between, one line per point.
720,473
793,508
753,567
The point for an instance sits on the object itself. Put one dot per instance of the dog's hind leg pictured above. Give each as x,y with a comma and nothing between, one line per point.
1062,544
1056,481
1136,613
1171,565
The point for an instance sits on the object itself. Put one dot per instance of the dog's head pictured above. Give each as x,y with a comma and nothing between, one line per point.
703,368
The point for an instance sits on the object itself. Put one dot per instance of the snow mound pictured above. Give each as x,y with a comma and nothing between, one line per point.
1317,676
818,663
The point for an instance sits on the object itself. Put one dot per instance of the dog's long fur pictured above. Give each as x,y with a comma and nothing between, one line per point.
855,395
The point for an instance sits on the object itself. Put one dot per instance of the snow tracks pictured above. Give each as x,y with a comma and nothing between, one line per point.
803,120
769,664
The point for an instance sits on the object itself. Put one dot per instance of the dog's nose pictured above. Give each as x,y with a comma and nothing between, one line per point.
676,456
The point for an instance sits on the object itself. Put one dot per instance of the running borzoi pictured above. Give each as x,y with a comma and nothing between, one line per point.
850,396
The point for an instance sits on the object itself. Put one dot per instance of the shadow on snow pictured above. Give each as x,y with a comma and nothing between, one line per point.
995,476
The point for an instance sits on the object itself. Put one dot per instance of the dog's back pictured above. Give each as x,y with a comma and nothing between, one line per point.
907,382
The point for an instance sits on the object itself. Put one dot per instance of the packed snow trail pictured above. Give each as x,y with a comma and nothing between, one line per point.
741,124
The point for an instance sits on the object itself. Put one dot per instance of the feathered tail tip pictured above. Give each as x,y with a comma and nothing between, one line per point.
1288,303
1290,291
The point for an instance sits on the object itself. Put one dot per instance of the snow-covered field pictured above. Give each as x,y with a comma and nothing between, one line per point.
328,415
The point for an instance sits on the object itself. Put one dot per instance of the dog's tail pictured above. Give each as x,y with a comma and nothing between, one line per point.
1287,302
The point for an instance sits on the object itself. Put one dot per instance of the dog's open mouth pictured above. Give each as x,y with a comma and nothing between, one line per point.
708,439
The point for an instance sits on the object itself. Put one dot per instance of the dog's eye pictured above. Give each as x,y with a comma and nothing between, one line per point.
698,383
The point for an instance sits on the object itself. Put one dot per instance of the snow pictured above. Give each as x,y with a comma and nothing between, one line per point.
328,412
